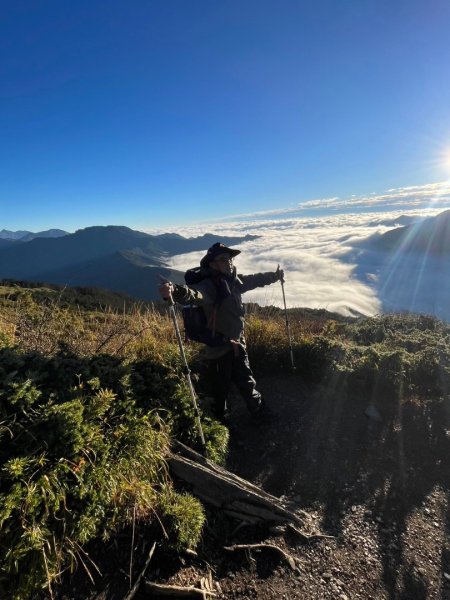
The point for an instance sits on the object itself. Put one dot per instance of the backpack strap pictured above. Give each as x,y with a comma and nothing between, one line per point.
223,291
218,282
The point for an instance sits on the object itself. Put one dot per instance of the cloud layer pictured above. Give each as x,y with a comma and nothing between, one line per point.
314,250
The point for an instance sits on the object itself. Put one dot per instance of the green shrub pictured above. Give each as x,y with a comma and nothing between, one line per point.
183,518
217,438
316,357
369,331
78,459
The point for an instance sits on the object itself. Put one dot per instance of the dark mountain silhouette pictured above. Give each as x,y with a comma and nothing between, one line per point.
116,272
409,266
431,236
26,236
173,244
6,243
112,257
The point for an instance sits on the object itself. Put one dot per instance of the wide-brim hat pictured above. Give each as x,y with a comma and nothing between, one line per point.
214,251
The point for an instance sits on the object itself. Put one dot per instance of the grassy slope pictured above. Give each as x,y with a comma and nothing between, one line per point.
84,389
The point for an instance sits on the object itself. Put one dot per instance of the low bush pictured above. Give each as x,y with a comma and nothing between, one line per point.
79,454
89,402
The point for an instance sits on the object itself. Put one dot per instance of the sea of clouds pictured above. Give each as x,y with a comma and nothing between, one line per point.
313,242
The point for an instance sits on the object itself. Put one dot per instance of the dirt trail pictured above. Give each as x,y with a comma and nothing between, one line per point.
379,486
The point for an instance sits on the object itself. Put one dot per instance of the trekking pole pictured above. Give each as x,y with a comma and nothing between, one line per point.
288,330
187,371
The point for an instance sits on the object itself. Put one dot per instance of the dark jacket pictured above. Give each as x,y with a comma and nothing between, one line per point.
229,319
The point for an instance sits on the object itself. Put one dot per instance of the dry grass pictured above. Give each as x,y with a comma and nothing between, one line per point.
44,326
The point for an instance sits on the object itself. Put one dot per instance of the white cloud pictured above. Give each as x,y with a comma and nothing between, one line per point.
314,251
426,196
309,252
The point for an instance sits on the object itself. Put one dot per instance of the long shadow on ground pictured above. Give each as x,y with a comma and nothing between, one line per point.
325,452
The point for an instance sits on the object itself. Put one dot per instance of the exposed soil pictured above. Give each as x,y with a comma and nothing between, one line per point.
378,486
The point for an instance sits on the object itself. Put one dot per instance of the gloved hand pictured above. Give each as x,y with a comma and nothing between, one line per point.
279,273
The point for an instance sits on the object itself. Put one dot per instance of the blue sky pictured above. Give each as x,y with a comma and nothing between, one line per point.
159,113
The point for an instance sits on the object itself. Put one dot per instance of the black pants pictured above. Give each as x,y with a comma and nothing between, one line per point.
233,367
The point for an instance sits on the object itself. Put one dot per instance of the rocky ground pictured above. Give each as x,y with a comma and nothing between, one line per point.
371,482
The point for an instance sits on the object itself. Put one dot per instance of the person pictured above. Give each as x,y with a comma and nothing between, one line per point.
226,362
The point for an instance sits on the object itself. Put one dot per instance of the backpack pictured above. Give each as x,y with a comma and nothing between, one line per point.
197,327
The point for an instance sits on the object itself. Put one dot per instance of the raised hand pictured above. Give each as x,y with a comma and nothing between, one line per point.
280,274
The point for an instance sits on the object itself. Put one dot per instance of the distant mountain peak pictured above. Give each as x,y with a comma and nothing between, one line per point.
5,234
27,236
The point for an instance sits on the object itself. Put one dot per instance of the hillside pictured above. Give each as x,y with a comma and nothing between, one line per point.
408,267
91,400
5,243
77,297
115,258
428,237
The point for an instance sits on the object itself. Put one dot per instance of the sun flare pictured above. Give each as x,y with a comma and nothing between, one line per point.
445,160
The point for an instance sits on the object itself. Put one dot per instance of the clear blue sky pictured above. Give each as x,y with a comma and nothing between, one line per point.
156,112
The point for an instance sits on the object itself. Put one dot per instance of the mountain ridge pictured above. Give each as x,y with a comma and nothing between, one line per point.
432,235
113,257
26,236
408,266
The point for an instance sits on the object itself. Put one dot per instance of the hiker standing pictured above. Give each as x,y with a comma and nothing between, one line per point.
218,290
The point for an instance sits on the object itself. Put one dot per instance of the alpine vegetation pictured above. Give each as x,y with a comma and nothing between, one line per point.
93,400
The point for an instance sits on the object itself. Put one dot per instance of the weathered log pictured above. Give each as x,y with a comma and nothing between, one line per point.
224,490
